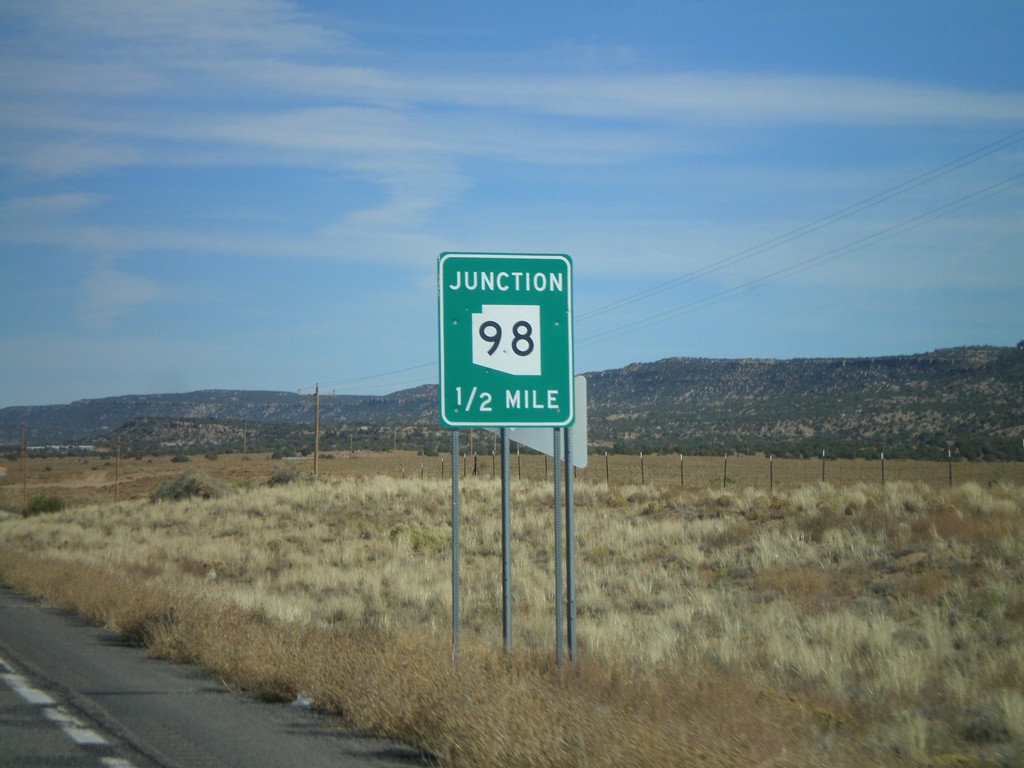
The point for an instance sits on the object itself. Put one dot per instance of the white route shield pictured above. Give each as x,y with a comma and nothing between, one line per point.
506,338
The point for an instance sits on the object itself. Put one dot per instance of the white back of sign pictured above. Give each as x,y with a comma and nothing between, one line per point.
542,438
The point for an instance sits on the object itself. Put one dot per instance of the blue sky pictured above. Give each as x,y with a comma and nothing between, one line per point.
253,194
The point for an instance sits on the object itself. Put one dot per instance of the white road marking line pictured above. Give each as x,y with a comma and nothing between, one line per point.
81,734
76,730
20,686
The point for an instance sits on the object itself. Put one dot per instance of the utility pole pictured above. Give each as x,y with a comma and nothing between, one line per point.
24,471
316,431
117,472
316,428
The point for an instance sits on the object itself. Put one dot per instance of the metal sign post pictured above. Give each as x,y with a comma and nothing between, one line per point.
455,545
570,545
506,545
559,622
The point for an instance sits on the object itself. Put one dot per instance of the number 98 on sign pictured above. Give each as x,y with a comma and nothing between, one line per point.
505,339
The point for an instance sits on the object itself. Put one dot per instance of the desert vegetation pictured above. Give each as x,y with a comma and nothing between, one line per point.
721,625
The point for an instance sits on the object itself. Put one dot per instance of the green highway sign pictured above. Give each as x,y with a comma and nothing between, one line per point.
505,339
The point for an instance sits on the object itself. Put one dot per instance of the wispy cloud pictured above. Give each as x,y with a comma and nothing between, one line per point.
748,98
185,26
57,204
261,58
109,294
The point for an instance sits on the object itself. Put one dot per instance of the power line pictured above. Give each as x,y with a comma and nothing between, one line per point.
384,374
802,266
814,226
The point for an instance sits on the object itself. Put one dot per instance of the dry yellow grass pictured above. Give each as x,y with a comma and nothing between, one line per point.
825,624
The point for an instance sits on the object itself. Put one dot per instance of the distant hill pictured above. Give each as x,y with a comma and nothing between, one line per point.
910,405
89,420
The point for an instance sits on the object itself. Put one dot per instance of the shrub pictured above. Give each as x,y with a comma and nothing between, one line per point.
420,537
180,459
43,503
187,486
284,476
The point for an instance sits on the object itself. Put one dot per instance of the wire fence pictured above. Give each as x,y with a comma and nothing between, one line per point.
104,479
770,473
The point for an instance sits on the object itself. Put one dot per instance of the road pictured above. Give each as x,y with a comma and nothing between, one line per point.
76,695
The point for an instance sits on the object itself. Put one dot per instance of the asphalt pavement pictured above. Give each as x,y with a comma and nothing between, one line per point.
72,694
